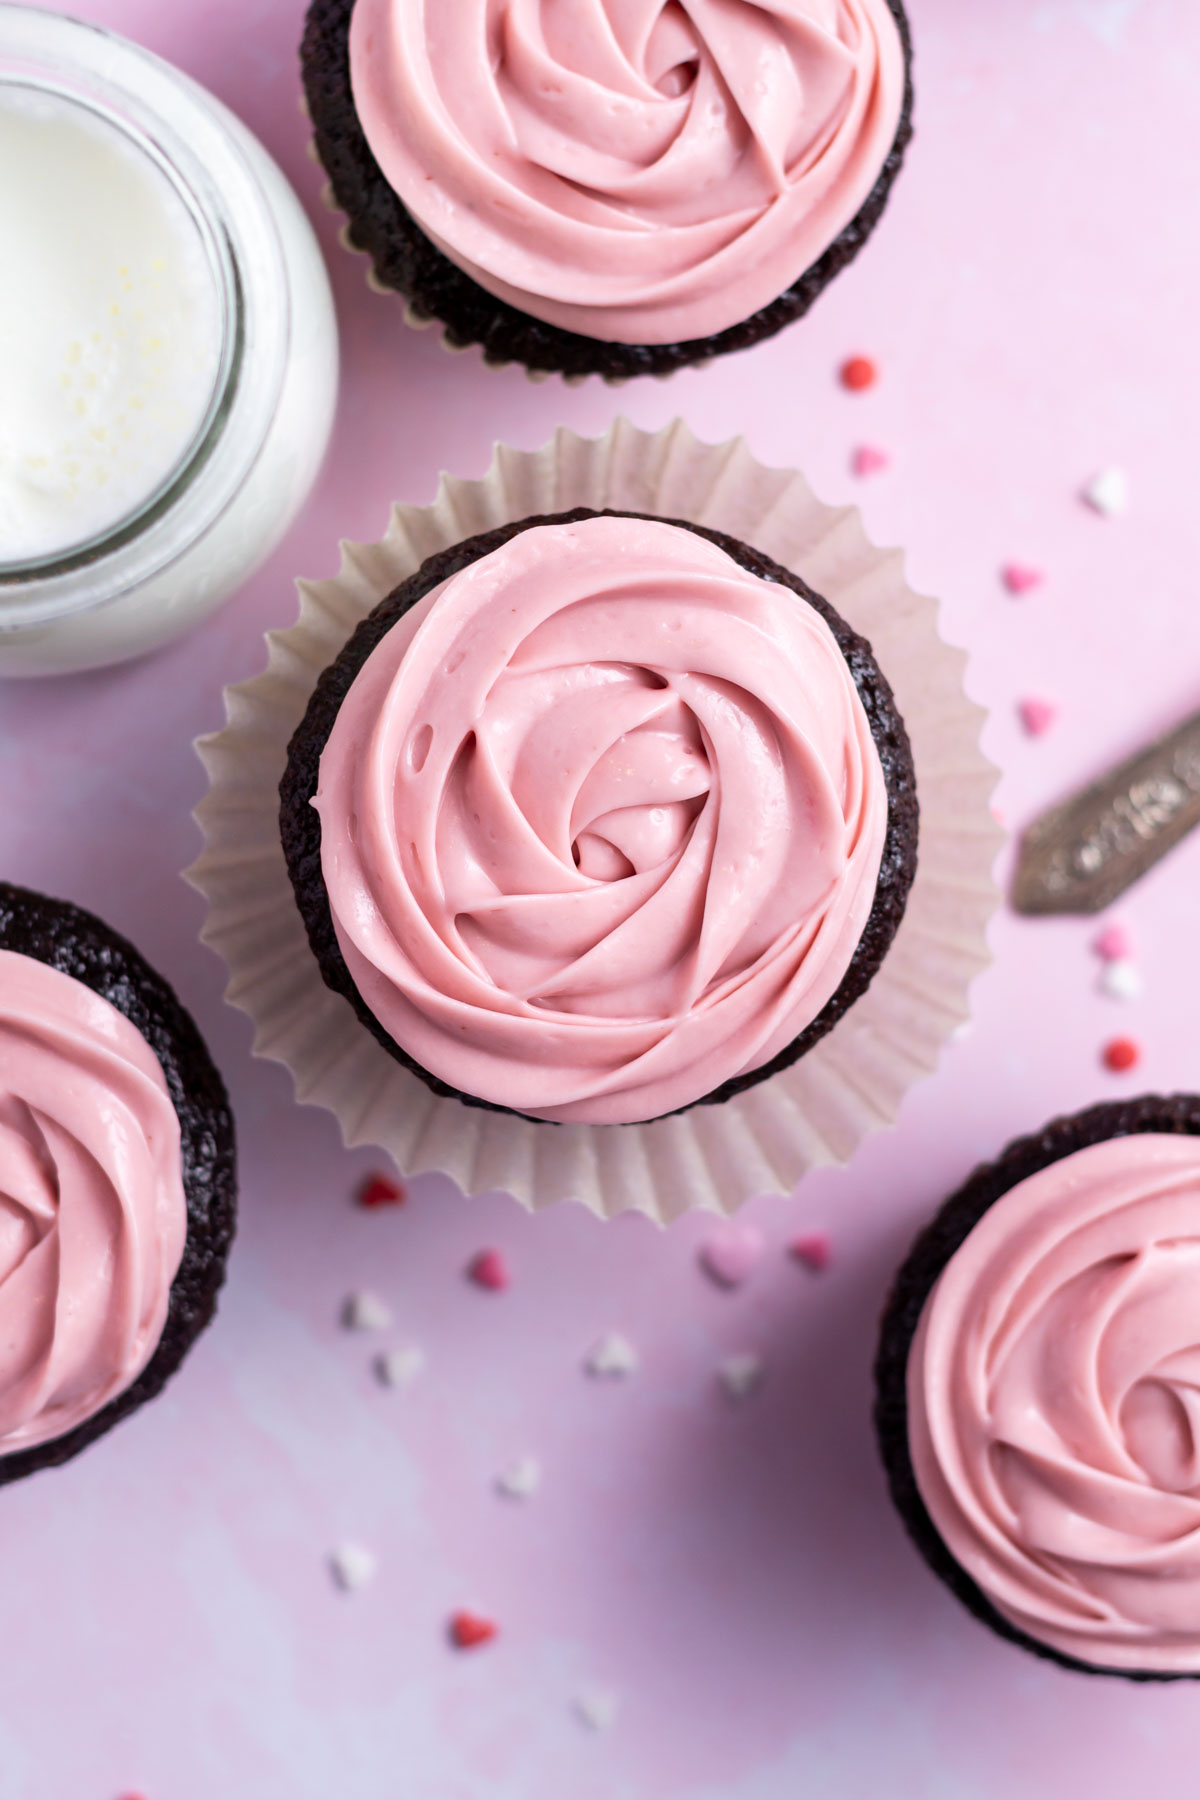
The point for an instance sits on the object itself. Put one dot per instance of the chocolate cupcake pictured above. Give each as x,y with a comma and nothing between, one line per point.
594,190
598,816
117,1183
1037,1386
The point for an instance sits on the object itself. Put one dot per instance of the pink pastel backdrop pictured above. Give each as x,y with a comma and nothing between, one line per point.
735,1574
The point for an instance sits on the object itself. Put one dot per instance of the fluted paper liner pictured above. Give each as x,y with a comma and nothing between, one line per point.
711,1157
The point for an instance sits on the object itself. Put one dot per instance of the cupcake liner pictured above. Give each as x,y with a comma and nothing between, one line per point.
712,1157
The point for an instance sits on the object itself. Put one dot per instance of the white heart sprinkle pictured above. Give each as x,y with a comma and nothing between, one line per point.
1121,979
396,1368
613,1356
365,1312
740,1374
1108,492
597,1709
353,1566
522,1479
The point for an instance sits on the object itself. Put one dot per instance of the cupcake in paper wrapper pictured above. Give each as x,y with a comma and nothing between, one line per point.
584,895
599,816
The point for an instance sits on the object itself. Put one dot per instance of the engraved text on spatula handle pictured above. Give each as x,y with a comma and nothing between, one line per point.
1081,855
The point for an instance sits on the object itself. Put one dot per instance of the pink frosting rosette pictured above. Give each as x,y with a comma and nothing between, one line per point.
601,822
1054,1404
93,1216
638,171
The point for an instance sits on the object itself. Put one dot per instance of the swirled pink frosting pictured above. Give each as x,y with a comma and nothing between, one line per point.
92,1210
641,171
601,822
1054,1404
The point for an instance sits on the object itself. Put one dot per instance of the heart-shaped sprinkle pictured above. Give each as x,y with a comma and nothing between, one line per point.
813,1249
1021,578
397,1368
1037,714
739,1375
381,1190
1108,493
468,1630
353,1567
597,1709
1115,943
1121,979
489,1270
869,459
365,1312
730,1255
521,1480
613,1358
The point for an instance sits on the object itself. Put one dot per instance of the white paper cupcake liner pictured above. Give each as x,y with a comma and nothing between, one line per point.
713,1157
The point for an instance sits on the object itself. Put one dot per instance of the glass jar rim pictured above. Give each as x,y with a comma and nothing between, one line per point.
83,551
170,118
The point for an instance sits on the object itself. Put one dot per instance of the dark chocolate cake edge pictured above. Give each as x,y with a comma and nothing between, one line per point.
74,941
930,1252
407,262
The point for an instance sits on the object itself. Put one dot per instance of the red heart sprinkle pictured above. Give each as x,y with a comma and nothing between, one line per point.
813,1250
489,1270
1020,578
468,1630
869,459
381,1190
1122,1054
857,373
1037,714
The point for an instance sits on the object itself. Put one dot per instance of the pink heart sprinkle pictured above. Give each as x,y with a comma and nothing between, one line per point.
869,459
730,1255
1114,943
1020,578
489,1270
1037,715
813,1250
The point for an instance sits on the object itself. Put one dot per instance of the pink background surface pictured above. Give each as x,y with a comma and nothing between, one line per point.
735,1574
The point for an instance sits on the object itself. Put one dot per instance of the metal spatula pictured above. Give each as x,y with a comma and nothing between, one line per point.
1079,856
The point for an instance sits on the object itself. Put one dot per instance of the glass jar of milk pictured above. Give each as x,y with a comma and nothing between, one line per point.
168,349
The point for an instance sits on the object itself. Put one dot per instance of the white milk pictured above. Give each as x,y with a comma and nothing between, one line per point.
168,348
110,326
